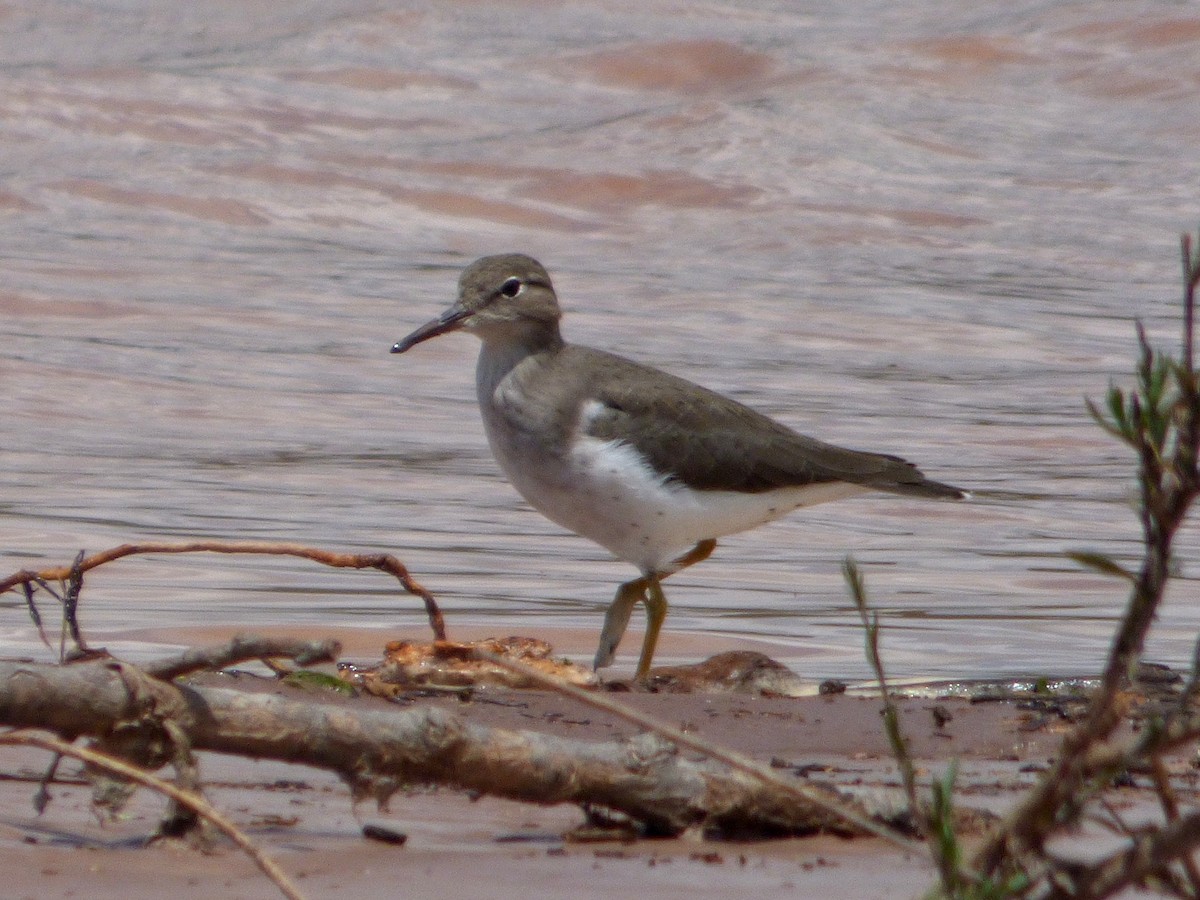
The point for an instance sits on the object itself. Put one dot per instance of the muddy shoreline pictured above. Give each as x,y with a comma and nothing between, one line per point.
430,842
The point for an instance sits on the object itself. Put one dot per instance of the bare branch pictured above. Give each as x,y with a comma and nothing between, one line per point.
1148,854
74,582
1170,805
241,648
1189,297
27,588
384,562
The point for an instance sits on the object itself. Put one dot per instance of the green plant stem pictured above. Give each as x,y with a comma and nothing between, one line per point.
891,714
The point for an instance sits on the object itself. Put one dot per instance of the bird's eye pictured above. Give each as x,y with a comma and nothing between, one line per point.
511,287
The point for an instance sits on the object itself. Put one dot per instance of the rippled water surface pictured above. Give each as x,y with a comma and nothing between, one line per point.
920,228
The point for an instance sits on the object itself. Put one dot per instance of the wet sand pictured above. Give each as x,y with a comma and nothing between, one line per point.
486,847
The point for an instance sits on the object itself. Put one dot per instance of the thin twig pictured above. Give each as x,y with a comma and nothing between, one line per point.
42,798
384,562
241,648
1188,693
74,586
186,798
731,758
1191,280
36,616
1170,805
1111,821
1148,854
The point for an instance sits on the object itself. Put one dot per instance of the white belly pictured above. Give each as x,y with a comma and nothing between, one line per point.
603,490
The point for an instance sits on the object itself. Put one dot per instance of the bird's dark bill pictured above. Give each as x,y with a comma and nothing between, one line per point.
451,320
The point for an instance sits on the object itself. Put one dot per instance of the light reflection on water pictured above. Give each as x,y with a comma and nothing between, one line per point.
933,244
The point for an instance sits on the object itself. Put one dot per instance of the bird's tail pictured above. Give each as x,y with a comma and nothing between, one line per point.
926,487
898,476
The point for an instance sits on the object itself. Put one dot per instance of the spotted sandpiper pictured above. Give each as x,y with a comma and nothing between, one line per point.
650,466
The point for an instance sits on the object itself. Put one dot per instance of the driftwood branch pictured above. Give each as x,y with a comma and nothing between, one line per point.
379,751
73,574
242,648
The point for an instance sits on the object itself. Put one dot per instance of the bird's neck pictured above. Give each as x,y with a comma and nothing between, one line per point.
503,350
521,338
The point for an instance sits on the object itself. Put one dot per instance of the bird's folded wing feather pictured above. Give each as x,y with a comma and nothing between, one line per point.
711,442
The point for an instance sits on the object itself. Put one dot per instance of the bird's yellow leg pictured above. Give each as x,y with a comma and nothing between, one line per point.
616,620
647,589
656,613
656,602
699,553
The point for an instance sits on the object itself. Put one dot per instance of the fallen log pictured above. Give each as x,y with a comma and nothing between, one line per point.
379,751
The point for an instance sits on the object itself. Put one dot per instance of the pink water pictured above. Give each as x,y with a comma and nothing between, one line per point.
919,228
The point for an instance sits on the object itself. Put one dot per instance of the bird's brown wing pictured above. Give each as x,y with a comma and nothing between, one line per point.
711,442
